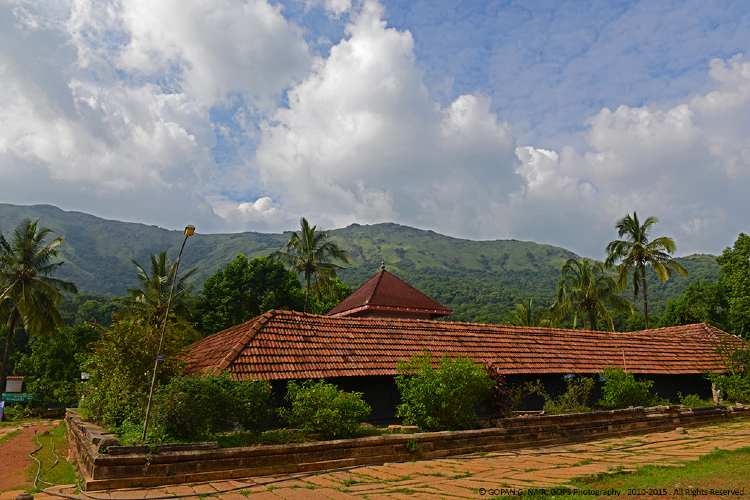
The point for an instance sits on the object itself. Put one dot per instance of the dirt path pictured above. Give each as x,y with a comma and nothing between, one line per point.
14,456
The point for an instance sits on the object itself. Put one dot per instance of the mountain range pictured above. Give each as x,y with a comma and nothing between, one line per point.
479,280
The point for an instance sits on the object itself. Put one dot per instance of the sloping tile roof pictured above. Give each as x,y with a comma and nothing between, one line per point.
285,345
385,292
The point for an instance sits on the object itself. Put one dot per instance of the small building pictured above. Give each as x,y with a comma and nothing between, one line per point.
360,354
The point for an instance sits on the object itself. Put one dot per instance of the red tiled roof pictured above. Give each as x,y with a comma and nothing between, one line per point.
14,377
385,292
286,345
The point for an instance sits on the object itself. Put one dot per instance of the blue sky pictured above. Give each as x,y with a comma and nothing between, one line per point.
544,121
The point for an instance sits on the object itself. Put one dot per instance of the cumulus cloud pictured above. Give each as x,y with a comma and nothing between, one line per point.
108,105
687,165
361,140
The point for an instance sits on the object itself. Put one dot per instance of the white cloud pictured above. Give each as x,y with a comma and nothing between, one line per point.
362,141
687,165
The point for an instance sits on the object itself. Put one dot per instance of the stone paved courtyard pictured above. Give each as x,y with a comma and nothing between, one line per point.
465,476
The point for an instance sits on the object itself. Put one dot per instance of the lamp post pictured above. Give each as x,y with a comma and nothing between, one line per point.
189,230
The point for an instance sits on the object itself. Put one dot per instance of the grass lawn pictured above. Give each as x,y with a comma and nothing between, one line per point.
724,472
62,473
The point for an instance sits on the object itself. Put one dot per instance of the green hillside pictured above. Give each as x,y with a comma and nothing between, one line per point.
477,279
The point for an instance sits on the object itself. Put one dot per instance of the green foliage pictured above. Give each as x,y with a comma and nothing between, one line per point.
28,292
87,308
573,400
441,399
693,401
191,408
313,255
52,369
735,277
701,303
622,390
321,407
524,314
148,303
585,289
733,355
245,289
120,369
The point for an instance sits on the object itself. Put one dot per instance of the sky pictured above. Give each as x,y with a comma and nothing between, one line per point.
530,120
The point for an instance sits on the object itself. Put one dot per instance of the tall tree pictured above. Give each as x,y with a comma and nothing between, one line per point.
29,292
586,290
636,252
313,255
734,264
245,289
148,304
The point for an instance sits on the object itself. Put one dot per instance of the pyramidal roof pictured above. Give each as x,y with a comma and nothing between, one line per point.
386,293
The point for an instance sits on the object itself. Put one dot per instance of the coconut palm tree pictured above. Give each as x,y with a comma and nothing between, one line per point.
525,315
148,304
29,292
635,253
586,290
312,254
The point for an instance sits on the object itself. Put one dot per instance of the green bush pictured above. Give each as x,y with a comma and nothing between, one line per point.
573,400
321,407
191,408
622,390
120,368
734,357
693,401
442,399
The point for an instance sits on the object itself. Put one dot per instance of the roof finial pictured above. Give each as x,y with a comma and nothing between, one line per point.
382,266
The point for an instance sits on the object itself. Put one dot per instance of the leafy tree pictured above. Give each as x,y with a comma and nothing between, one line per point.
120,368
586,290
148,304
734,275
88,308
313,255
702,303
525,315
29,292
52,369
245,289
636,252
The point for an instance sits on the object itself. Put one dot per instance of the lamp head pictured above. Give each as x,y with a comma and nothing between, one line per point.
189,230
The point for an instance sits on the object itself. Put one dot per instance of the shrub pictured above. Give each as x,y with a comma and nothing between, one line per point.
734,356
693,401
120,369
622,390
573,400
442,399
191,408
321,407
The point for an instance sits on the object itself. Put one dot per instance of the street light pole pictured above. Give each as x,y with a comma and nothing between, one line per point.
189,230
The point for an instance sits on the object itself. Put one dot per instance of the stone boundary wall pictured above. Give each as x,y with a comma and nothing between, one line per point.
104,464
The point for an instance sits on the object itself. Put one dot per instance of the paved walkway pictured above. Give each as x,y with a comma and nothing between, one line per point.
465,476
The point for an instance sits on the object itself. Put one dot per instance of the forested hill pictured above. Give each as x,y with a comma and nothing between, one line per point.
477,279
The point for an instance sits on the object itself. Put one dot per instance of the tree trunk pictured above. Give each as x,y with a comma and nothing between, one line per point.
645,296
592,320
307,294
11,331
